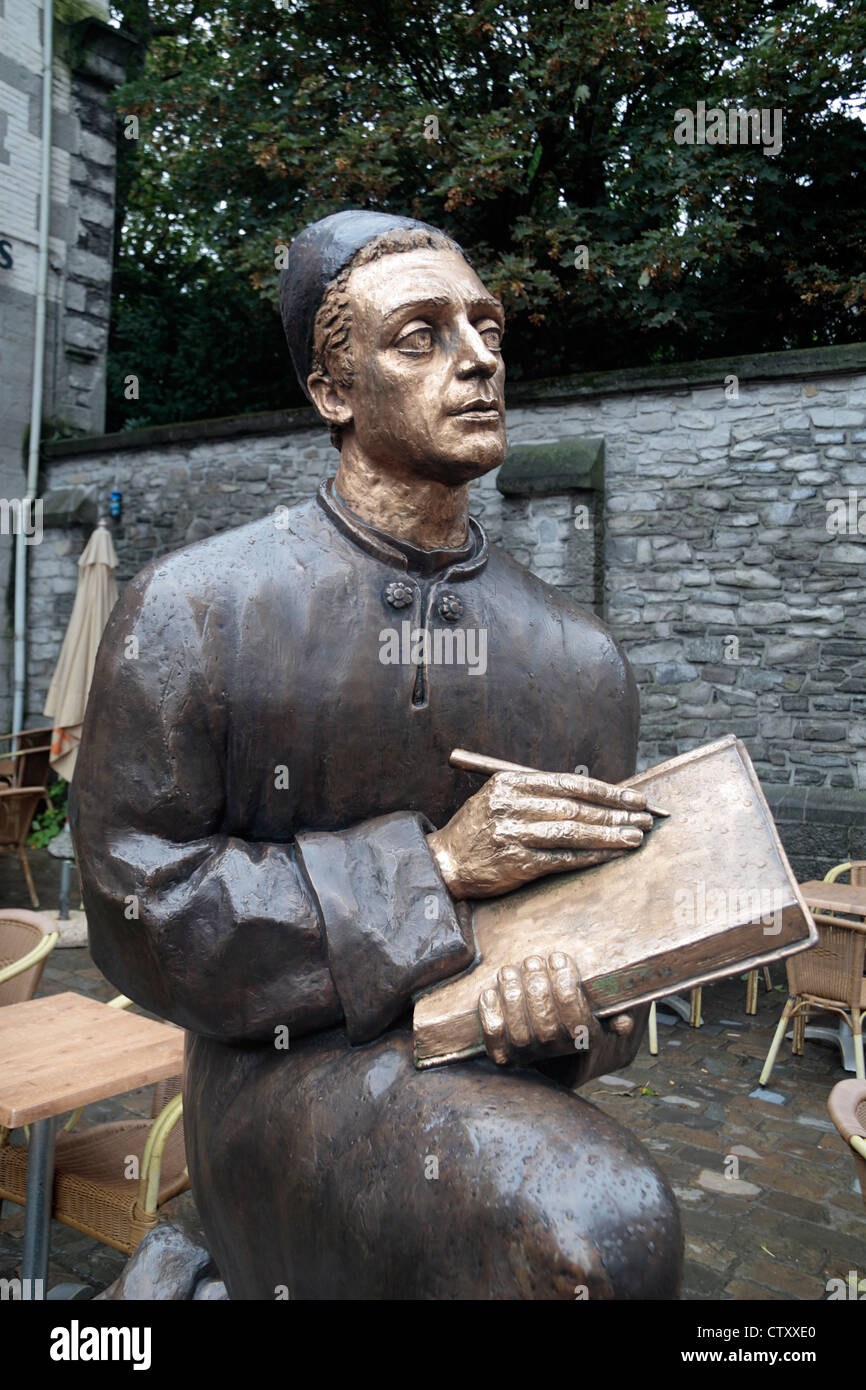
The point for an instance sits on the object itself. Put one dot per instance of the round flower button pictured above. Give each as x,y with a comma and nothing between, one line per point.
451,607
398,594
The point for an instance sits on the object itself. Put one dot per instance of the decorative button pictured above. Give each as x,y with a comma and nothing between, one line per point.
398,594
451,607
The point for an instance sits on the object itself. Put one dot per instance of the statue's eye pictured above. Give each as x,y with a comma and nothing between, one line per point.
417,340
492,335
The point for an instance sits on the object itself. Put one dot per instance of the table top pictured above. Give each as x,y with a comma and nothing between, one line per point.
67,1050
835,897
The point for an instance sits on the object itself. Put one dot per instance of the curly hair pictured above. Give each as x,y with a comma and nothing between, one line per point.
332,348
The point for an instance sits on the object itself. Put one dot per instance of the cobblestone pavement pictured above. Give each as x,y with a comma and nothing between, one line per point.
768,1194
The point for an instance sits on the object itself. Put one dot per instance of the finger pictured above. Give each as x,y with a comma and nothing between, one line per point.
493,1026
557,834
557,861
553,808
569,784
513,1007
622,1025
543,1017
571,1002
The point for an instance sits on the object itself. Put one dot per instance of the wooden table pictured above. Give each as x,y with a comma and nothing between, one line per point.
850,901
835,897
58,1053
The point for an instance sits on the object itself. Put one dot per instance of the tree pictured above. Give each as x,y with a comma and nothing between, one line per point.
541,136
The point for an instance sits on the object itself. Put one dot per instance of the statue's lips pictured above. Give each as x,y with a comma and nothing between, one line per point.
478,410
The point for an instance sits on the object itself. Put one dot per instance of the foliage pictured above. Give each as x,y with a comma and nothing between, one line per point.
51,820
555,130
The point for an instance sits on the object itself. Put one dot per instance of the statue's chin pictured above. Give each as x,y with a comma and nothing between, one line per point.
457,471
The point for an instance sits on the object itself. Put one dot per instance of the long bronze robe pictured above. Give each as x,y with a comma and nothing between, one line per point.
250,807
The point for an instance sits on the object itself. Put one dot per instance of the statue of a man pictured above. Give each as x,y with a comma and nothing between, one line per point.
277,855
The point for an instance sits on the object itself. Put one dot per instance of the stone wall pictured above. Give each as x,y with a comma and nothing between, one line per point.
703,542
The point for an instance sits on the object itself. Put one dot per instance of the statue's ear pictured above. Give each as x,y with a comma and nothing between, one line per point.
329,399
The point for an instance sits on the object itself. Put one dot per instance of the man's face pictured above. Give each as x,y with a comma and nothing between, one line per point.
428,395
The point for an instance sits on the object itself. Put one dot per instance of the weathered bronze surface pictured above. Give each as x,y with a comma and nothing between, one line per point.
276,853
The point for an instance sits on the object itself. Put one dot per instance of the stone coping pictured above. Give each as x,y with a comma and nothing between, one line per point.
767,366
816,805
539,470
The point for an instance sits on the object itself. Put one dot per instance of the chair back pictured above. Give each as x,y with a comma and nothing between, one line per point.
34,747
29,765
858,873
20,931
18,806
833,968
163,1092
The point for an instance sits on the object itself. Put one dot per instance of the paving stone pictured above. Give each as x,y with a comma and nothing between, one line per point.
783,1280
688,1194
743,1151
816,1122
709,1253
703,1138
715,1181
702,1280
745,1289
834,1142
803,1207
700,1158
764,1097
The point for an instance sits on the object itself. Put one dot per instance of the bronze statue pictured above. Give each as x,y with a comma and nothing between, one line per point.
277,855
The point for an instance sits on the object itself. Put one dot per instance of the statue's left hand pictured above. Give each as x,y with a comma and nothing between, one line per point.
539,1010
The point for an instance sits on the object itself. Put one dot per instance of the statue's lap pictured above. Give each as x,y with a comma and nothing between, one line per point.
327,1171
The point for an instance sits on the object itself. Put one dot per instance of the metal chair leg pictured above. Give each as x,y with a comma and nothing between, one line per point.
768,980
752,992
653,1031
858,1045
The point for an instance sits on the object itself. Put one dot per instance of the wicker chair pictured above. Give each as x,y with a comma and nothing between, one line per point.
26,940
25,761
23,785
110,1180
847,1106
856,868
828,978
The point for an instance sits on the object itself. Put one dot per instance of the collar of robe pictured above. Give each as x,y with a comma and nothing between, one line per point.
457,563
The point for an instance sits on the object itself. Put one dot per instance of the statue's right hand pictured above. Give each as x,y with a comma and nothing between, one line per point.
522,825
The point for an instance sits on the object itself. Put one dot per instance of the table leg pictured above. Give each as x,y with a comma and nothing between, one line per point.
841,1036
37,1213
678,1005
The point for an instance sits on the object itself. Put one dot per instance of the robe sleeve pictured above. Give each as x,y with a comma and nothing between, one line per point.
227,937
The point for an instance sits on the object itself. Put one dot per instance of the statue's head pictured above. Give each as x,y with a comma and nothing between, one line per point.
397,343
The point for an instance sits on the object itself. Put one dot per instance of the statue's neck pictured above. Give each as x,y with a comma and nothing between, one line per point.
424,512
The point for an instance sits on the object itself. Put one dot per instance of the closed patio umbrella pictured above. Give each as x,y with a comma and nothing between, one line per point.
67,695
